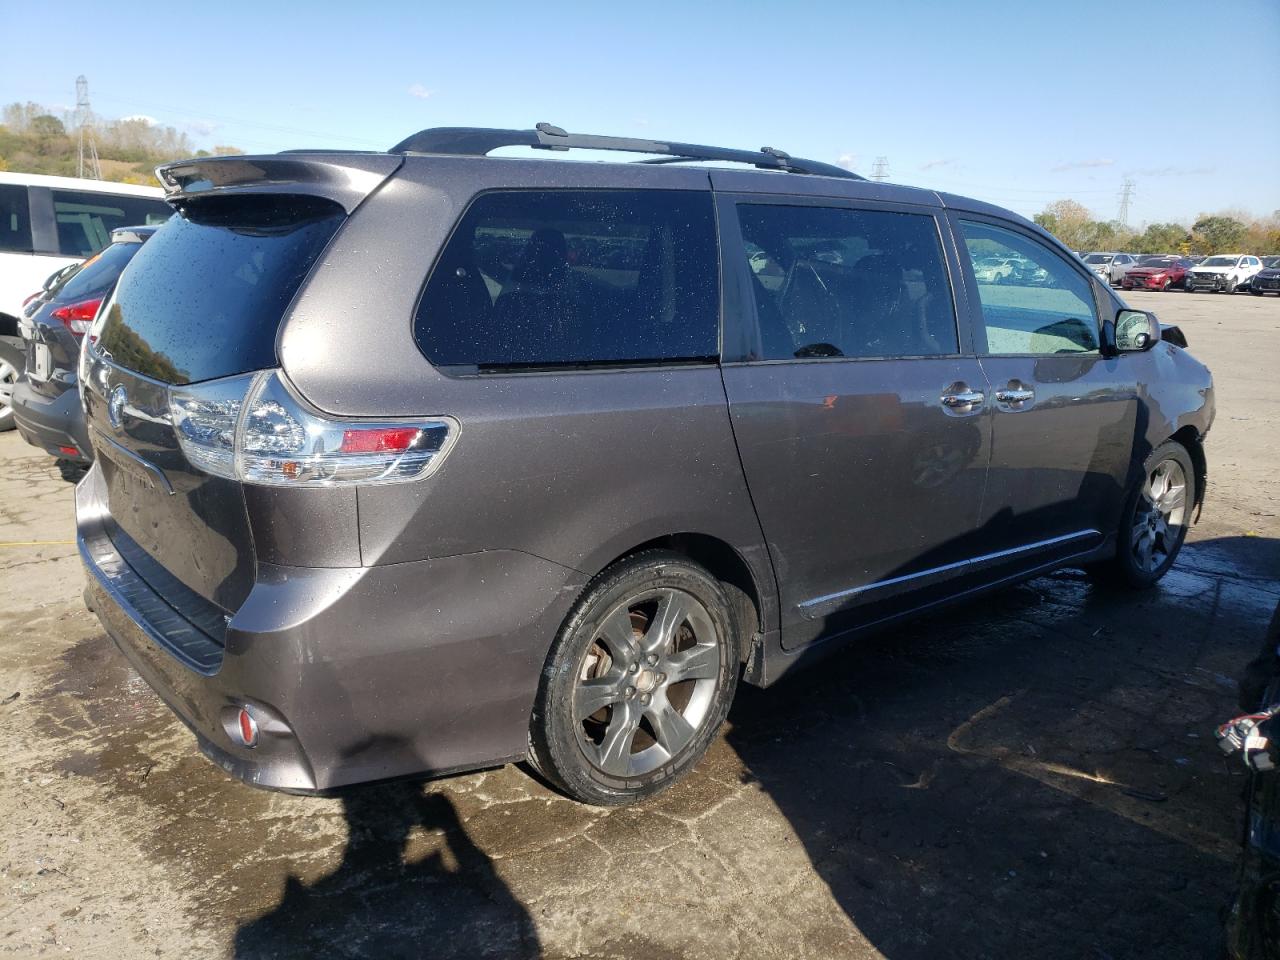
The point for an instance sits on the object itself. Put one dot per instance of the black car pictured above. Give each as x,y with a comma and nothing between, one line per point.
46,403
1253,923
1267,280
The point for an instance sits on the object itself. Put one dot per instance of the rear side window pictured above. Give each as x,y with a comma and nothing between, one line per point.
15,219
97,275
545,278
836,282
85,220
205,295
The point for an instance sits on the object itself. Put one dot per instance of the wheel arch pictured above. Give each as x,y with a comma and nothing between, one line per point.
1190,439
728,565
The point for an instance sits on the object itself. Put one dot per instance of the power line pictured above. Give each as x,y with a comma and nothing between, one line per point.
881,169
84,124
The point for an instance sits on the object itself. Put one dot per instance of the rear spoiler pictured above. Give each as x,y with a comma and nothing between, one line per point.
344,178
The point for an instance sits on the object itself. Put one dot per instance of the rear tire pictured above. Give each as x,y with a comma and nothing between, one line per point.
1153,524
637,682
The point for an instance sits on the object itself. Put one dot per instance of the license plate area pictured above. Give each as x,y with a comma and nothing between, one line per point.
42,367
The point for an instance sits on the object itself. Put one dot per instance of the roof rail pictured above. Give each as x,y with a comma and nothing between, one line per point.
479,141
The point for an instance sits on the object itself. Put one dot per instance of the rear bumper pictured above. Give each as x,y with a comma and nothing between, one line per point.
353,674
50,424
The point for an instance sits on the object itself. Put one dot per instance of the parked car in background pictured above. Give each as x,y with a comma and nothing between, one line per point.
1266,280
568,501
1157,273
992,269
1111,267
1223,273
46,401
47,223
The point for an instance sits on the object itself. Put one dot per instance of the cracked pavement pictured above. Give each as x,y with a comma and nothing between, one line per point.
1033,774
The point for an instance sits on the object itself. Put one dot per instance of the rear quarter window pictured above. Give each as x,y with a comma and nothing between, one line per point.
551,278
205,296
15,219
85,220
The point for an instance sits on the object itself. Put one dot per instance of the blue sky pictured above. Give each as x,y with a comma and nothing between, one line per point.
1017,103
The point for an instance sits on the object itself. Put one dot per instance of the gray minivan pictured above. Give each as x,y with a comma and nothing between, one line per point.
429,460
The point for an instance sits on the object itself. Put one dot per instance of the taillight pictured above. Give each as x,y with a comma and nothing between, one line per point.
252,428
77,317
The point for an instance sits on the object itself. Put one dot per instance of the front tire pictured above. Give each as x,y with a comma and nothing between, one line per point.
637,683
11,363
1231,286
1153,525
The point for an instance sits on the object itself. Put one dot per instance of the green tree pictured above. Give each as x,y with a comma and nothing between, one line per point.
1218,234
1163,238
46,127
1069,221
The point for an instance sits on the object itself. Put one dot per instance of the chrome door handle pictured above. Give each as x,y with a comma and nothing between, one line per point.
1015,395
961,399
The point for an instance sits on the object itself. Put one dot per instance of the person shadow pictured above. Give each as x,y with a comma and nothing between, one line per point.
410,883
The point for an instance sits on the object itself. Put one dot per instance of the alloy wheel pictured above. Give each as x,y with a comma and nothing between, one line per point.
1159,518
8,380
647,682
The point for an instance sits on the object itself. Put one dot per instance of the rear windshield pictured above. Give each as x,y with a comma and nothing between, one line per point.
554,278
97,274
205,295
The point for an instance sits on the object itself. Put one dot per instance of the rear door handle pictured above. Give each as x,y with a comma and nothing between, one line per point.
959,399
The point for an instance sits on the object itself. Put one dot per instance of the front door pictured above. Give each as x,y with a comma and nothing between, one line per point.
862,427
1063,415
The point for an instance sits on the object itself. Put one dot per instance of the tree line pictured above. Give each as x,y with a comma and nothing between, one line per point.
34,140
1230,231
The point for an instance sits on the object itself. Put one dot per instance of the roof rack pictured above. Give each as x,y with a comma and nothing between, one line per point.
479,141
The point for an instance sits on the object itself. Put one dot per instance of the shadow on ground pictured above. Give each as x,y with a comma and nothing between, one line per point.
1032,775
381,902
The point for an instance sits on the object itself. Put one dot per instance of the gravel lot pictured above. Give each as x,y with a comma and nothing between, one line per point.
1033,775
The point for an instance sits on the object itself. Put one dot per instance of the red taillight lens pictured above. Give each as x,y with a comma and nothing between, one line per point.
78,316
384,440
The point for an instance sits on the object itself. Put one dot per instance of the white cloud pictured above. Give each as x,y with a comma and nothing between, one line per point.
1081,165
149,121
847,160
421,92
202,128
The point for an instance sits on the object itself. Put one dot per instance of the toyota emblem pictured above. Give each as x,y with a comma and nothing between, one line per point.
115,406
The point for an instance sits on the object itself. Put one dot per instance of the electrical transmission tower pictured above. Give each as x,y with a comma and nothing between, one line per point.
84,123
881,170
1126,198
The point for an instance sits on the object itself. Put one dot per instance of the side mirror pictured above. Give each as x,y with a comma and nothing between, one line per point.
1136,330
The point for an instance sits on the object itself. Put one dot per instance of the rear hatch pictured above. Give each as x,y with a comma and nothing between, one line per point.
202,300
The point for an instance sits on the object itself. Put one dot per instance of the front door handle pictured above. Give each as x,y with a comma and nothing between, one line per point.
1015,395
959,399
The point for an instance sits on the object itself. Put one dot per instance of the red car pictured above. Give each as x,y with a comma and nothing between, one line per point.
1156,273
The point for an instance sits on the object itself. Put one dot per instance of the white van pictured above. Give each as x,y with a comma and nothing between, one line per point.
48,222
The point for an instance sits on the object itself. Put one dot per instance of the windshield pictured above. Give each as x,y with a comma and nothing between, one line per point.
1159,261
1271,262
1219,262
1097,258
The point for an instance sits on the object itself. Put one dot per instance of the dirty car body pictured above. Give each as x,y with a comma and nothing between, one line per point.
386,609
